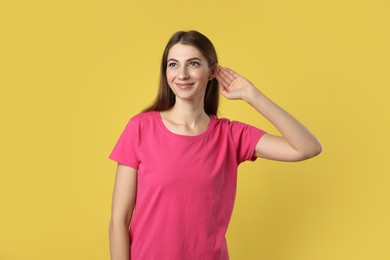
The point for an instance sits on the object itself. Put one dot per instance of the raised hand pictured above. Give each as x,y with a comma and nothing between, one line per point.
232,85
296,143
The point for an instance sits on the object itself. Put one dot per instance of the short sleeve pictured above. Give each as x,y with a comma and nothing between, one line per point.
245,138
126,149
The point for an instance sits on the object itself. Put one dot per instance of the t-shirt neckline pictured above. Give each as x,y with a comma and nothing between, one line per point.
188,137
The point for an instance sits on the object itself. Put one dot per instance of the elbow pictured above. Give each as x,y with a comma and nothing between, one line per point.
312,151
316,151
307,152
317,148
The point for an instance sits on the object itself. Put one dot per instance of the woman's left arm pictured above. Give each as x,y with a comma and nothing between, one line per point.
297,143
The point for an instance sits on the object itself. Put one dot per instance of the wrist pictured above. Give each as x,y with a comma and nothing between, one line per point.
252,95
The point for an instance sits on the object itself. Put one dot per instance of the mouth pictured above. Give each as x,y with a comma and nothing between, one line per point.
184,85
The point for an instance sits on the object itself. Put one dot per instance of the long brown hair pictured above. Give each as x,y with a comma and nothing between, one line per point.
165,97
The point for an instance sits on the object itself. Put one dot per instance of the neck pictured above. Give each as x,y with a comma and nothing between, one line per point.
188,112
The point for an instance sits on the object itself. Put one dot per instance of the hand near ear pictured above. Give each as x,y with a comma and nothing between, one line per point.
215,70
296,143
232,85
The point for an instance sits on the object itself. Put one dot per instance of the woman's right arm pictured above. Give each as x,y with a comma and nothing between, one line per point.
123,201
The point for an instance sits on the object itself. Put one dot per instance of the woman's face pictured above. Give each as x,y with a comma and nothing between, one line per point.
187,72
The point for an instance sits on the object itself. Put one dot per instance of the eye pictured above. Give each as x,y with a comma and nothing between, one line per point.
194,64
172,64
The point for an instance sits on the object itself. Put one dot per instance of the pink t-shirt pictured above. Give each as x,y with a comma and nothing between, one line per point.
186,185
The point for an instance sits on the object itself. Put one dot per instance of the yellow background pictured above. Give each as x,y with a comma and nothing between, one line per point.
73,72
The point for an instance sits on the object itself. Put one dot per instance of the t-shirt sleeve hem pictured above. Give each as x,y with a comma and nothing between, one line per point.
256,139
125,162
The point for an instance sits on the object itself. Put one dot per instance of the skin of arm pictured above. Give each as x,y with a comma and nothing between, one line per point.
297,143
123,202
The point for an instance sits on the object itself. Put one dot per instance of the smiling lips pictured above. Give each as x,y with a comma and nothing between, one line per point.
184,85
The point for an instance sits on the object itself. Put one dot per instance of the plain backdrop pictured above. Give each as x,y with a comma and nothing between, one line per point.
73,72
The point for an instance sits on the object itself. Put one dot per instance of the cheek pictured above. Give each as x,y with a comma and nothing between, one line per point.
170,76
199,74
204,75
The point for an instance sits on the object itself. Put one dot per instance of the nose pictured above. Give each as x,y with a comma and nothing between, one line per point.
183,73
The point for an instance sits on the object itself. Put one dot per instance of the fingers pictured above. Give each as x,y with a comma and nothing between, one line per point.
224,77
227,78
228,74
222,81
223,91
231,72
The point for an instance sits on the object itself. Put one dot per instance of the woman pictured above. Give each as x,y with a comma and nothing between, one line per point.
177,162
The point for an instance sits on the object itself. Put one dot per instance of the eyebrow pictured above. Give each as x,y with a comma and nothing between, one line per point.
191,59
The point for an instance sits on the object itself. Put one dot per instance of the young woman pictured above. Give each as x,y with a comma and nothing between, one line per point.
176,177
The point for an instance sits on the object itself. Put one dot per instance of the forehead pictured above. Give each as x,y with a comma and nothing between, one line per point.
181,51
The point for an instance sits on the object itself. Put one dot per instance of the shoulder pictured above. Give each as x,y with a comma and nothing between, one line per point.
143,118
141,122
228,123
235,127
221,120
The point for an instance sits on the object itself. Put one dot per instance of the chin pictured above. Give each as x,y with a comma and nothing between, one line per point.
189,97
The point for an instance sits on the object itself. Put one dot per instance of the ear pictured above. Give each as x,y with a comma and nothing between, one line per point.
214,71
